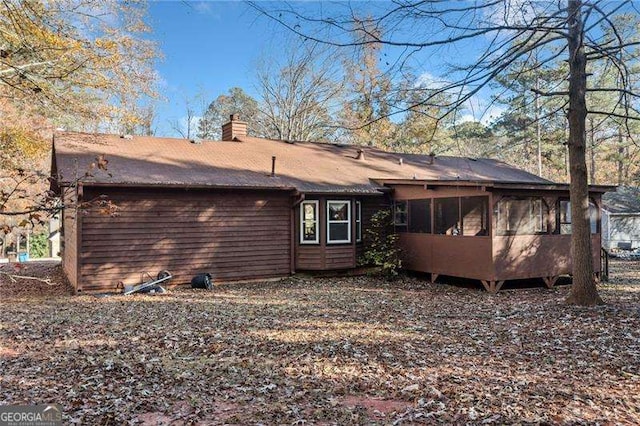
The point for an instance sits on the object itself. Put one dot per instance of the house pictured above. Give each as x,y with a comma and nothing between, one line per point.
54,237
246,208
621,219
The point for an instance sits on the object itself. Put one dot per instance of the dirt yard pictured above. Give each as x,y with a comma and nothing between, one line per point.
323,351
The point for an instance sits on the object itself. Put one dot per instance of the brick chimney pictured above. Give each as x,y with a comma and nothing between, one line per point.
234,128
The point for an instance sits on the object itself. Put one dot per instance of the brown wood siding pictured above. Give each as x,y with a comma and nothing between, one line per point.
534,256
69,236
341,256
459,256
417,192
235,236
323,256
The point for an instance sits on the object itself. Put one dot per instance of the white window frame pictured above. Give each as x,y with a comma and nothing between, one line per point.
348,222
358,221
316,221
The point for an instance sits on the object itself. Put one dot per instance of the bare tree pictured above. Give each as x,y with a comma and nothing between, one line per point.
493,35
296,96
187,125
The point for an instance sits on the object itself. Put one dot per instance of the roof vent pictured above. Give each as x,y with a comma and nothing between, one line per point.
432,158
128,137
400,161
196,141
361,155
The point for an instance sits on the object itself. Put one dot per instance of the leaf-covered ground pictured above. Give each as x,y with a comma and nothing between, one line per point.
324,351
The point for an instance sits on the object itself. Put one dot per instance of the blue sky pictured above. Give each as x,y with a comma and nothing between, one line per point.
208,48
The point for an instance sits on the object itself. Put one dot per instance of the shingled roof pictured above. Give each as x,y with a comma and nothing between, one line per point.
625,200
247,161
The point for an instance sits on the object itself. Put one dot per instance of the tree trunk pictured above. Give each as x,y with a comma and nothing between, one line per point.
537,116
583,291
592,153
566,154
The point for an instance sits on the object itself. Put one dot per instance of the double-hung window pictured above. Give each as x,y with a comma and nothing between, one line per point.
338,222
400,216
309,232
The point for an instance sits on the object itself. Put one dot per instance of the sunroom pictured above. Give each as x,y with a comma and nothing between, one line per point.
489,232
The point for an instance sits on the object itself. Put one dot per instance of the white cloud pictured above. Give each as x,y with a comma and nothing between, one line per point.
475,109
515,12
429,81
205,8
479,109
492,114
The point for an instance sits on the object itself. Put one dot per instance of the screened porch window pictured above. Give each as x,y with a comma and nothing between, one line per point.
564,217
475,216
447,216
338,222
525,216
309,222
420,216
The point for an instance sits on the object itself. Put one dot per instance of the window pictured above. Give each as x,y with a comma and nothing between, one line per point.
564,217
338,222
400,216
309,222
593,218
420,216
521,216
358,221
475,215
564,221
447,216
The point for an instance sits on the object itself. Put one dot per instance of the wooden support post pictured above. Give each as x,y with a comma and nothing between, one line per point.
550,281
434,277
492,286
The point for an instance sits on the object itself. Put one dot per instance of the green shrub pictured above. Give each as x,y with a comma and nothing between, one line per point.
39,245
381,245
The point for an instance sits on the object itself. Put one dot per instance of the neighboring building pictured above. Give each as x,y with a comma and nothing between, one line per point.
54,237
621,219
246,208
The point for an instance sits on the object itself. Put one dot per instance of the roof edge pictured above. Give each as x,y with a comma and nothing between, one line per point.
177,186
551,186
